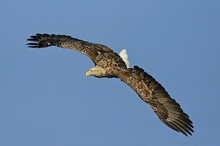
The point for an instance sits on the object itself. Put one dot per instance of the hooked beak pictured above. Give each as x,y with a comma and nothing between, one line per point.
88,73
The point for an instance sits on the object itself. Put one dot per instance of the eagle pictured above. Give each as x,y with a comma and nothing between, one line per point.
109,64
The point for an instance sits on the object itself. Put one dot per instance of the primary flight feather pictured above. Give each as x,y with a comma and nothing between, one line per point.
110,64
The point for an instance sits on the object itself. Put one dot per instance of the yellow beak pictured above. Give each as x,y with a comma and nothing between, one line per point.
88,73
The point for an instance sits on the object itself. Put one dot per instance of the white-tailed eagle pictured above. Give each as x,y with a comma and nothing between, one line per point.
110,64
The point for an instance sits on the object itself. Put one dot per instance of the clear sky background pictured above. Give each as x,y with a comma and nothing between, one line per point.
46,99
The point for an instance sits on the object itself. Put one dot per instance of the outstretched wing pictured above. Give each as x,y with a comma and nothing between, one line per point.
150,91
89,49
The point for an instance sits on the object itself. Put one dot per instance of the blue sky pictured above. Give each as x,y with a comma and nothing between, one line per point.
46,99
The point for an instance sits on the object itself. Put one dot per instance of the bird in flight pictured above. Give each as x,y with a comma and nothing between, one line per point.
109,64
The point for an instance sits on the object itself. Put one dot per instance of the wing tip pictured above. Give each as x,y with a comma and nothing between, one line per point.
39,41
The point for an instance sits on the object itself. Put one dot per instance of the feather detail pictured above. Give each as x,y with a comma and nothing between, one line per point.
123,54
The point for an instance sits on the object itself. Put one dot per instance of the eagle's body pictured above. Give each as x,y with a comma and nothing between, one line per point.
110,64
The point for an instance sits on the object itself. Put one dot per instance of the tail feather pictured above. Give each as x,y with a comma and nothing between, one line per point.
123,54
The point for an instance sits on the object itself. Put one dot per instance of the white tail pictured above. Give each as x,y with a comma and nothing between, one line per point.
123,54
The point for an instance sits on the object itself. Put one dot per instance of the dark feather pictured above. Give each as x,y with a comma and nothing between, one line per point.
166,108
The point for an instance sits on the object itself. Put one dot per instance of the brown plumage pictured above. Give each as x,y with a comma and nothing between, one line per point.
110,64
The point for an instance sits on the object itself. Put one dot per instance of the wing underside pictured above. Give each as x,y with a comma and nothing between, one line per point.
89,49
150,91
